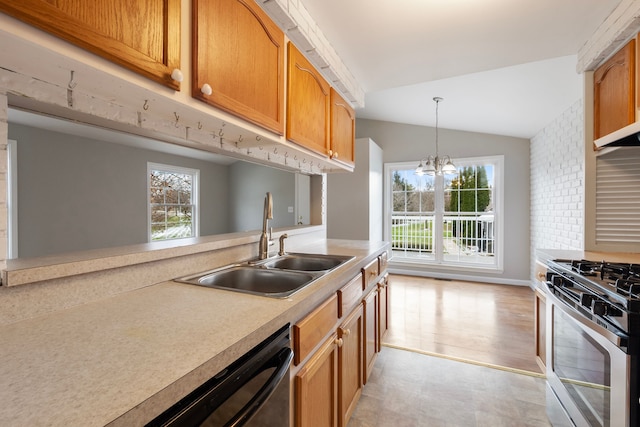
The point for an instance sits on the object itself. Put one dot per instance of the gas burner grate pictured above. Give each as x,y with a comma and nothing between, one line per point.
586,268
629,287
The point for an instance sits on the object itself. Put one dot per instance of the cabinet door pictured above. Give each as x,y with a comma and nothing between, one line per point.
350,361
343,129
540,315
307,104
541,329
316,388
239,51
383,309
143,35
614,92
370,332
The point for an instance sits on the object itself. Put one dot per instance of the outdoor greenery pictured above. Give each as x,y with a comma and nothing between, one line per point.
469,192
417,235
406,198
171,207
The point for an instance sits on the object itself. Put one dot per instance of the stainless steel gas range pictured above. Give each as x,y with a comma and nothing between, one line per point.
593,341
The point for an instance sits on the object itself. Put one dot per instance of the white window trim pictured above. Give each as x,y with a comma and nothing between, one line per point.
12,198
195,193
498,193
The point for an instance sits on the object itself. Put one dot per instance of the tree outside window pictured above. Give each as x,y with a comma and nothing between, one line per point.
172,202
445,219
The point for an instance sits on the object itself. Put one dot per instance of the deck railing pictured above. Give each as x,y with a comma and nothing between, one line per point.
464,234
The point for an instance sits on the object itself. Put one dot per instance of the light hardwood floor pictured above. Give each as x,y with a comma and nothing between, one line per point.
486,323
484,373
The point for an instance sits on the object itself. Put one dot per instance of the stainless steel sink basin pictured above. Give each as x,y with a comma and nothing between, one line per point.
306,262
254,280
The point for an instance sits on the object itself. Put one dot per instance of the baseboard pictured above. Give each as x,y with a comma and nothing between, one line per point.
462,277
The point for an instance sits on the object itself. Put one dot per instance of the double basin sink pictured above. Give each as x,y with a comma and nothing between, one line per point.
278,277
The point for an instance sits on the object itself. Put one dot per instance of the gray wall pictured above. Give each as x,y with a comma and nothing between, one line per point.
355,200
77,194
402,143
248,185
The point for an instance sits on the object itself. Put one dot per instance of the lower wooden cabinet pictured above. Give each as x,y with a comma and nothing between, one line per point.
540,328
350,361
383,309
540,315
316,388
335,348
370,331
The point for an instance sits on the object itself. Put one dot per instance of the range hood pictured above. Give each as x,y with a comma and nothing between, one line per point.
628,136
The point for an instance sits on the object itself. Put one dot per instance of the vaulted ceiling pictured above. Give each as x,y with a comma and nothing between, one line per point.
504,67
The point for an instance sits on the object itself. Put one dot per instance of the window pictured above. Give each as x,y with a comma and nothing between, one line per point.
445,219
173,202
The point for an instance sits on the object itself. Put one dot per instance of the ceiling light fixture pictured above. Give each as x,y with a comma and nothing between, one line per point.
431,165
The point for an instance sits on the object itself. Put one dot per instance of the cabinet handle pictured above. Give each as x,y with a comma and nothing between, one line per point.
345,332
541,275
339,342
374,273
206,89
335,155
177,75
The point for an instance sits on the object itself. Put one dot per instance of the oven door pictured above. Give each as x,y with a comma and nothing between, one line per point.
586,372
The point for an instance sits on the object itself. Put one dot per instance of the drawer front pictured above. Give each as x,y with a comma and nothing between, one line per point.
383,259
308,332
370,273
350,295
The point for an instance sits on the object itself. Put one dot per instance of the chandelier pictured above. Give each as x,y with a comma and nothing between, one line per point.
434,165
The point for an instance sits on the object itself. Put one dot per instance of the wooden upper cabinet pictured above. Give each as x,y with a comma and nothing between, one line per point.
614,92
308,95
239,52
142,35
343,129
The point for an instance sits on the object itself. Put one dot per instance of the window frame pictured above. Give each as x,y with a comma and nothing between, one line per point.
438,260
195,196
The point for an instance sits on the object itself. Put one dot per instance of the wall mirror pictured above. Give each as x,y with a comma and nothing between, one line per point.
76,187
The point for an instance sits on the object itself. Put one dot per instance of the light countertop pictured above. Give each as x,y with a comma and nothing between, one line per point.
122,360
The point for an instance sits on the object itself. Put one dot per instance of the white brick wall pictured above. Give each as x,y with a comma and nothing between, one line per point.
557,183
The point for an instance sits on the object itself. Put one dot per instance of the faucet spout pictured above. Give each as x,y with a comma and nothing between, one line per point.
265,240
281,252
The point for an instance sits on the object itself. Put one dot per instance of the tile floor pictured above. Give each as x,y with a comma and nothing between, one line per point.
410,389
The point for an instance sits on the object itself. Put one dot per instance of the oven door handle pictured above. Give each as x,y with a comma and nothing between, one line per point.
282,360
618,339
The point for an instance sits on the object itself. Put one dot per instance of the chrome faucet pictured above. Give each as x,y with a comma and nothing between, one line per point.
265,241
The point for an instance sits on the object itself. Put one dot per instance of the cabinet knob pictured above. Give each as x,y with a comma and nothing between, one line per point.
206,89
335,155
177,75
339,342
345,332
541,275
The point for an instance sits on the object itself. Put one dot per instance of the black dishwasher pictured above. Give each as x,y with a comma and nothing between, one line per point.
252,391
